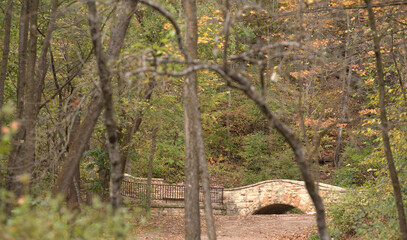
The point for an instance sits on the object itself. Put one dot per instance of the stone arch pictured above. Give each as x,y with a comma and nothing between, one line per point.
284,197
275,209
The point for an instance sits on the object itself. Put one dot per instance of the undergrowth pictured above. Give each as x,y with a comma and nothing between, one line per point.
49,219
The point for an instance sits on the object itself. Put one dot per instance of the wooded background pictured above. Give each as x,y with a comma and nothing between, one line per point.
217,92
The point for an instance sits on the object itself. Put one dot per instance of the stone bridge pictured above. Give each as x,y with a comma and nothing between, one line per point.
274,197
267,197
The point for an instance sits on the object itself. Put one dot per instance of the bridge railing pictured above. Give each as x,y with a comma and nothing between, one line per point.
165,191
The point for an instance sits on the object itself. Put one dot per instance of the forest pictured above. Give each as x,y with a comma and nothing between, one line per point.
202,93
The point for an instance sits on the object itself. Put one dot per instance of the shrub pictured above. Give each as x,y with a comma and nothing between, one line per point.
49,219
367,214
355,170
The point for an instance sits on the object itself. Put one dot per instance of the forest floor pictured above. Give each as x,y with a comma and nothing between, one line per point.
256,227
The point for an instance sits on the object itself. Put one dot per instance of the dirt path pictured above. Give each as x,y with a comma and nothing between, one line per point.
256,227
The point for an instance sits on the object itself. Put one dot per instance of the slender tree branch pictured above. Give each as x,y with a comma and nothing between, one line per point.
385,124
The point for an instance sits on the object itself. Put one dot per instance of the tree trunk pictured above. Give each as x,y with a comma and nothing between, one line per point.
21,159
95,106
399,73
40,74
79,144
4,63
228,121
22,156
73,200
73,197
339,137
150,167
384,123
28,121
6,50
22,56
134,126
105,75
13,168
348,63
191,118
203,166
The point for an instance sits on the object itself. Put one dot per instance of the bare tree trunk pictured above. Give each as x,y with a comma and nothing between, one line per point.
22,56
73,196
13,169
399,73
345,95
150,167
195,159
79,144
339,137
4,63
191,117
228,120
28,121
40,74
96,105
134,126
110,122
22,155
203,166
6,50
105,75
384,124
126,11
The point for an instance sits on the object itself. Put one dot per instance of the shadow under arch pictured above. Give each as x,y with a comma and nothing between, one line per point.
276,209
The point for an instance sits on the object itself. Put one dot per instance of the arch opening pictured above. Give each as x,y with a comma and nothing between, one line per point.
278,209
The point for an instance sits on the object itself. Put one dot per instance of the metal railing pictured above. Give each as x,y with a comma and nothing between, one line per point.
165,191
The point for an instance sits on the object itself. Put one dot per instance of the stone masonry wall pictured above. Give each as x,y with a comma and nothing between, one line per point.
247,199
